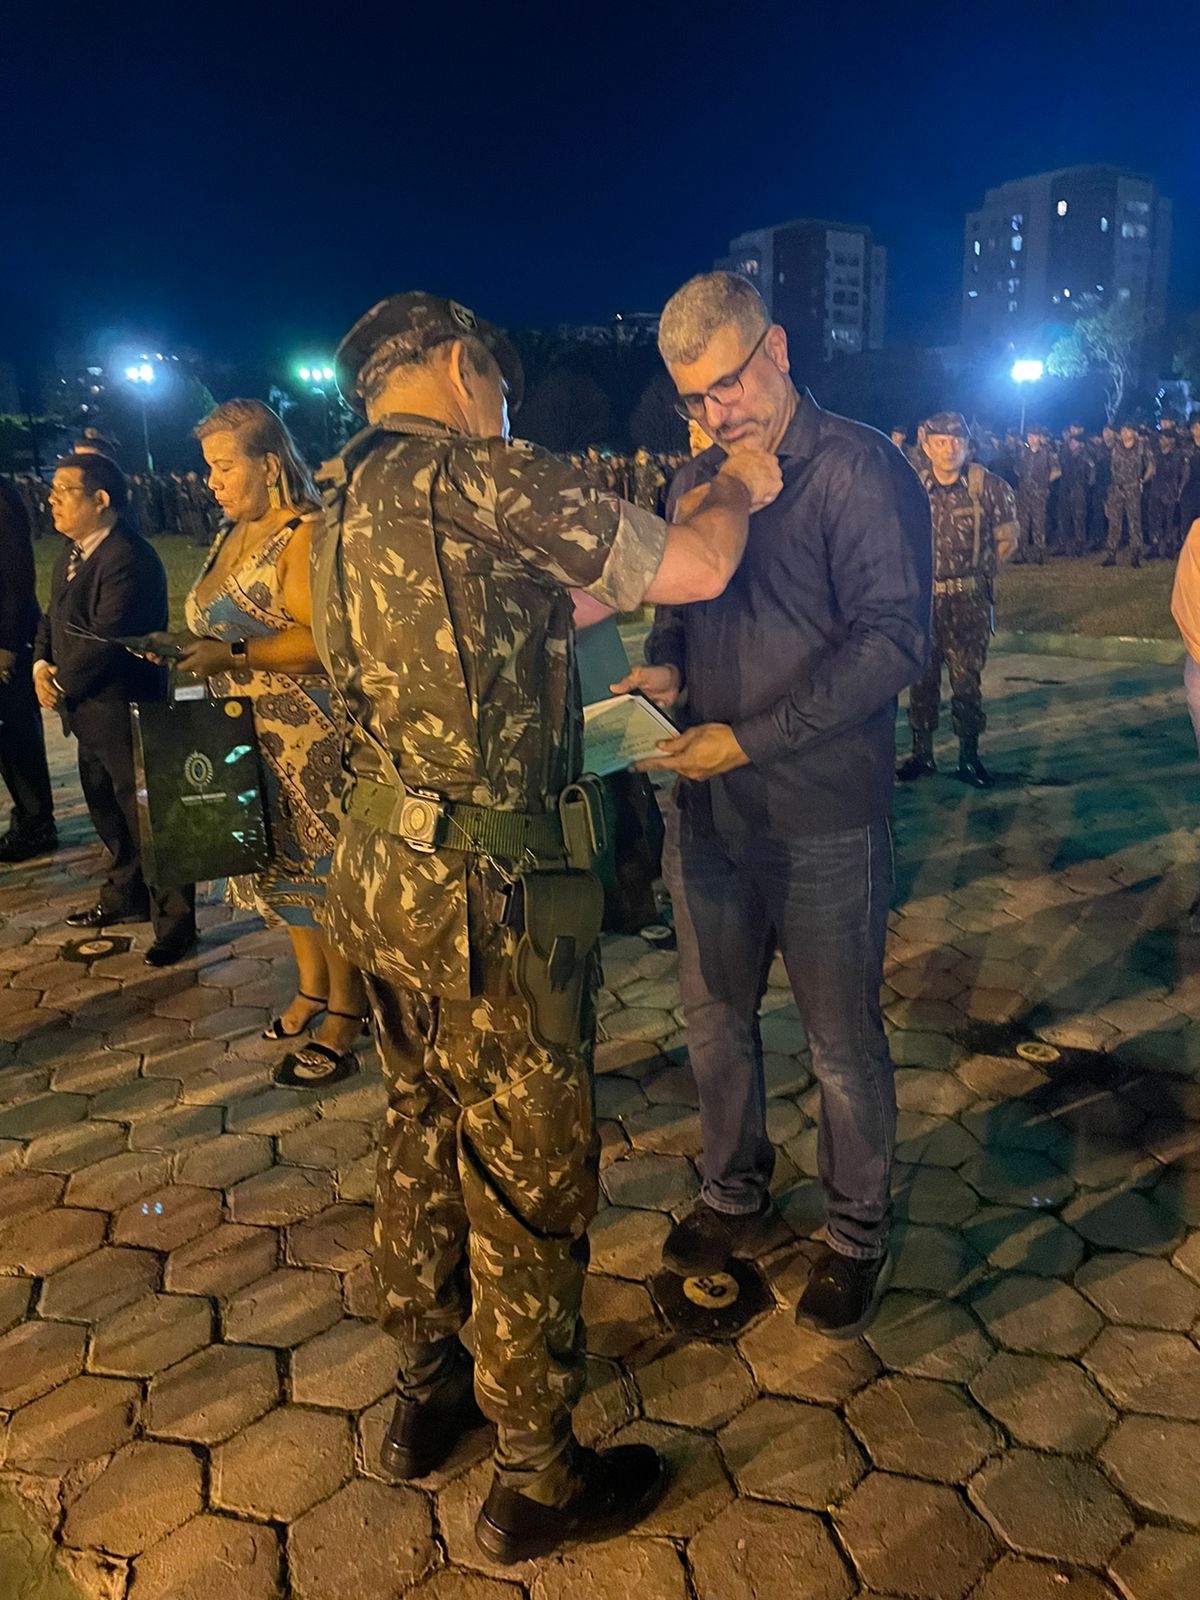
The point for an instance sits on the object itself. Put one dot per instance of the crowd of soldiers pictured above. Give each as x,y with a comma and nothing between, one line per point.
1077,494
642,477
160,503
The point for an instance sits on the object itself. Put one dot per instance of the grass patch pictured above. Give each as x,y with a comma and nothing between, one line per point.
1081,597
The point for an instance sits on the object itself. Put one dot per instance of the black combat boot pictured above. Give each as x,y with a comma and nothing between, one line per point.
921,763
420,1437
617,1488
970,769
1110,560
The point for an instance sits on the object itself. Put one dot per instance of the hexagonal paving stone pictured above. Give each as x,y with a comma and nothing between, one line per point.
177,1129
45,1244
1126,1220
281,1195
339,1238
1021,1240
928,1338
168,1218
82,1419
921,1428
452,1583
35,1358
913,1537
742,1552
1148,1371
110,1184
1157,1464
1036,1314
144,1097
28,1194
652,1182
42,1115
219,1163
347,1368
630,1567
284,1308
104,1282
272,1111
1140,1289
181,1567
697,1486
1045,1403
212,1394
280,1466
628,1244
669,1130
223,1261
618,1316
934,1259
1015,1578
698,1386
933,1194
326,1144
791,1360
144,1493
368,1539
784,1450
1051,1506
1158,1564
69,1149
155,1332
15,1294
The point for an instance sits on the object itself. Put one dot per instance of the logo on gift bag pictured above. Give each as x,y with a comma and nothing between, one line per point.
198,770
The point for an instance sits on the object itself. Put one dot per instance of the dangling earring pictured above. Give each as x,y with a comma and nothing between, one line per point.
274,496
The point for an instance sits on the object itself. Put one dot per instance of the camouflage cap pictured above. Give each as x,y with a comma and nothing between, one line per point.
417,321
948,422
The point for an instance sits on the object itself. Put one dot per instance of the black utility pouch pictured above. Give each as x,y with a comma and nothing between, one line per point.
563,912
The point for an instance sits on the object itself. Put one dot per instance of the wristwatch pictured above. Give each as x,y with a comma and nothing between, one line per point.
237,650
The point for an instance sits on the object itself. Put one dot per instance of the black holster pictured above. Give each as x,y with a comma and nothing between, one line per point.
562,913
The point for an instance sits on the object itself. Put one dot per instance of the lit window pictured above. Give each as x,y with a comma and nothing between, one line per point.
1066,294
1017,241
1017,220
1012,305
1099,288
978,247
972,294
1061,208
1103,224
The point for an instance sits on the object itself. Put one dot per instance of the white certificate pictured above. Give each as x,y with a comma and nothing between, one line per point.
620,731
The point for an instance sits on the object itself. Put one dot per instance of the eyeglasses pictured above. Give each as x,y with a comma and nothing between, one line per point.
723,393
60,491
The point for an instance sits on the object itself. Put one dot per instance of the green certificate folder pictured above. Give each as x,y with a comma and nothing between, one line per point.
199,791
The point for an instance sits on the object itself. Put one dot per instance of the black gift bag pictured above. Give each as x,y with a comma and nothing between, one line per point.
199,791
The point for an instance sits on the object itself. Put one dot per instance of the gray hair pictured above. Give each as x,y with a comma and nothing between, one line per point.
705,304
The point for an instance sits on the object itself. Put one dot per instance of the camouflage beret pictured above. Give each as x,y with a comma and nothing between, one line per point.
415,322
948,422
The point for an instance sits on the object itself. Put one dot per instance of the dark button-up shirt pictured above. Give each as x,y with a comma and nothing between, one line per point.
822,625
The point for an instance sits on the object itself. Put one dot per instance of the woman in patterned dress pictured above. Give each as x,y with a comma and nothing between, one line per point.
250,615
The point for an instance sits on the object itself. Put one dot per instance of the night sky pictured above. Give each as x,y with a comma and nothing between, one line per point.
248,180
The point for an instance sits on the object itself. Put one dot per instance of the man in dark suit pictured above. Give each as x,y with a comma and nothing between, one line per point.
107,582
31,832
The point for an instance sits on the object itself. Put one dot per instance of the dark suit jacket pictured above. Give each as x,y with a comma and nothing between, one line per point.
120,589
19,610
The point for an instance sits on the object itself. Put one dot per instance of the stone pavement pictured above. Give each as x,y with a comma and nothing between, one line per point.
192,1393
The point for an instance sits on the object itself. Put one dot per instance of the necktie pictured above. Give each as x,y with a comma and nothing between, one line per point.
74,562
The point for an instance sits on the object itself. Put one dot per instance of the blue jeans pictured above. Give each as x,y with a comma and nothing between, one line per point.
824,902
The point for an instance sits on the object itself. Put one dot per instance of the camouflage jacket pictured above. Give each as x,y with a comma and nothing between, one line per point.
1170,475
443,615
963,545
1129,465
1035,468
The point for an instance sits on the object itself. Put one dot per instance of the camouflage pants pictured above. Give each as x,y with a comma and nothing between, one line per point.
1072,512
1031,518
486,1184
962,625
1160,524
1124,505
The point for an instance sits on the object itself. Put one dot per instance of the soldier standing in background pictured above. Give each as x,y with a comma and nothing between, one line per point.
1132,466
974,530
1162,495
1078,476
1037,468
461,884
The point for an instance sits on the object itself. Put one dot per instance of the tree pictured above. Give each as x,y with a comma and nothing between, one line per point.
1187,351
654,423
1105,339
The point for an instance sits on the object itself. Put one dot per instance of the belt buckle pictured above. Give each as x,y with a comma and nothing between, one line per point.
419,819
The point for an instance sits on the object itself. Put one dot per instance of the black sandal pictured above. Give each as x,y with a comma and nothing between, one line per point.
277,1029
318,1065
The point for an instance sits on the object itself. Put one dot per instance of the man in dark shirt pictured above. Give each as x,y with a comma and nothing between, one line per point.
780,834
23,769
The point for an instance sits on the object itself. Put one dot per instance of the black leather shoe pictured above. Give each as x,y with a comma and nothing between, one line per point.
843,1293
1109,561
971,769
166,952
705,1239
916,767
619,1487
18,846
97,917
421,1437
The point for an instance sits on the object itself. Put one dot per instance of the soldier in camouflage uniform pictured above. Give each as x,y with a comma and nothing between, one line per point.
974,528
1078,476
1037,468
1132,466
1162,496
442,611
